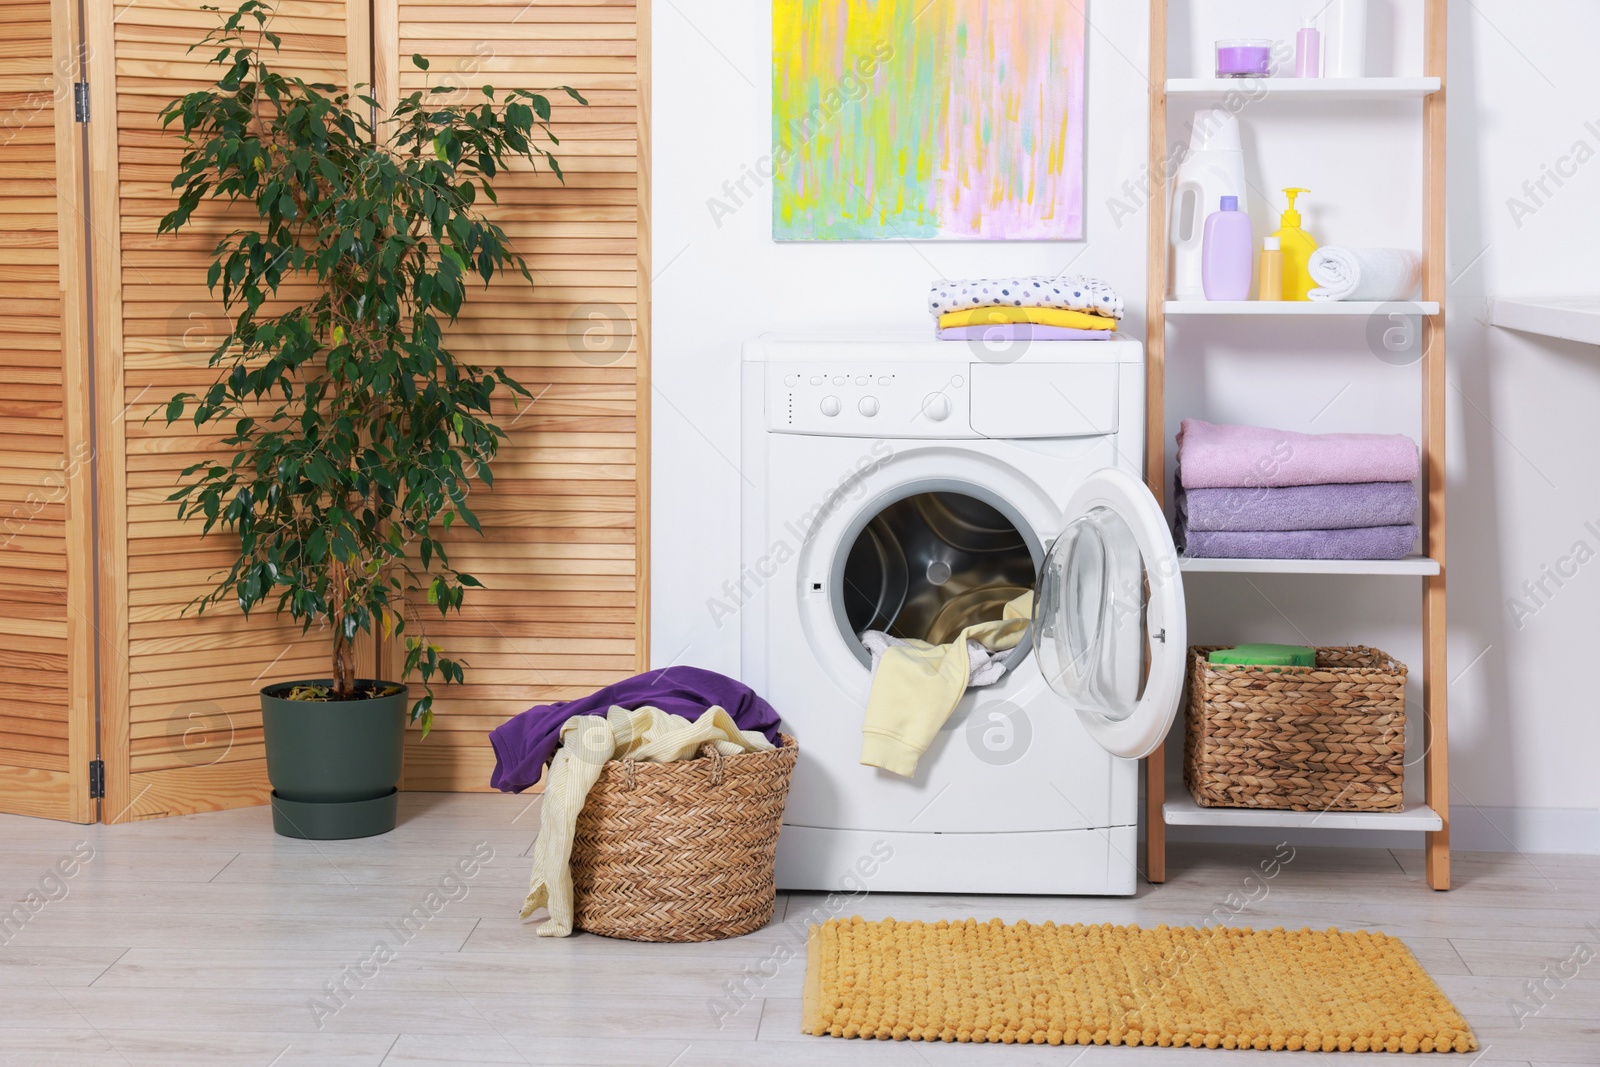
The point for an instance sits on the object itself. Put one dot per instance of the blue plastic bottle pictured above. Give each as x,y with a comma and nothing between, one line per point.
1226,253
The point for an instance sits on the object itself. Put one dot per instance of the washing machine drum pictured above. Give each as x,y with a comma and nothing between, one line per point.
930,565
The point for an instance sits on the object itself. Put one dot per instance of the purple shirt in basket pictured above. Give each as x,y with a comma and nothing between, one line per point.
523,746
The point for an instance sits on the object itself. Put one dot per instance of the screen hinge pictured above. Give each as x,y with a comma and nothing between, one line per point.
80,101
97,779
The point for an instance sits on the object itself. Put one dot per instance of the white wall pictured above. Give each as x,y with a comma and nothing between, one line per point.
1525,720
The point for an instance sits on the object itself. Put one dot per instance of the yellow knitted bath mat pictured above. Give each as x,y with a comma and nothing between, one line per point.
1123,985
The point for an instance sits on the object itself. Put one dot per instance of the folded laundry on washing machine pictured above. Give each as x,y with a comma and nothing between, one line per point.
1022,331
997,316
1072,292
916,685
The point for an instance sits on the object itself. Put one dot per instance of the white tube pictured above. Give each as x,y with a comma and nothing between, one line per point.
1345,42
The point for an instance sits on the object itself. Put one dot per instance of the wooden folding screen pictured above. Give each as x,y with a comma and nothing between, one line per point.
564,608
46,502
181,719
564,611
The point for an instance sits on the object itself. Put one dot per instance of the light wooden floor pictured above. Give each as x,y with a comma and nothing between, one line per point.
205,940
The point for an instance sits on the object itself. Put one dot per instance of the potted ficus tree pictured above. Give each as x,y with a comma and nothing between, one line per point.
353,434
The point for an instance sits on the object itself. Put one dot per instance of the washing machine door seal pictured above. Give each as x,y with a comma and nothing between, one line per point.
1109,629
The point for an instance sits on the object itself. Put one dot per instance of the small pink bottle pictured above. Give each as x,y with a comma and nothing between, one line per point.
1226,252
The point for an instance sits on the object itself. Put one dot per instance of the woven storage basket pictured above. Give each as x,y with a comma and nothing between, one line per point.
1325,738
681,851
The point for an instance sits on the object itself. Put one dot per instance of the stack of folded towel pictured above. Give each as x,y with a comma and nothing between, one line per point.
1038,308
1249,493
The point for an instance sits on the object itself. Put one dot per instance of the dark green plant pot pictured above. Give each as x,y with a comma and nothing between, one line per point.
334,765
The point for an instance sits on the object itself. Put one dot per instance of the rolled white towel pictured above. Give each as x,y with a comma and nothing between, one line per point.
1365,273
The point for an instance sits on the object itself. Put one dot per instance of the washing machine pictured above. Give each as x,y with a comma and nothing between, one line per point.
915,487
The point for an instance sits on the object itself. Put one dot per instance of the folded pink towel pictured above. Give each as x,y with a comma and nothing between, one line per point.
1223,457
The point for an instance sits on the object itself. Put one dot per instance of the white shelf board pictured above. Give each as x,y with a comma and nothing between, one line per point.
1307,89
1573,317
1416,565
1179,809
1301,308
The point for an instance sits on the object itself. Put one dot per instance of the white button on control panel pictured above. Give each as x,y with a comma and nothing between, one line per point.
839,379
863,380
817,379
868,406
791,380
831,406
936,406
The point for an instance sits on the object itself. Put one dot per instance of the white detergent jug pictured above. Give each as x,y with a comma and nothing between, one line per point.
1213,169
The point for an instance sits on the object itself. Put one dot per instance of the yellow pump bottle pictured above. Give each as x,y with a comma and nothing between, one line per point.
1297,247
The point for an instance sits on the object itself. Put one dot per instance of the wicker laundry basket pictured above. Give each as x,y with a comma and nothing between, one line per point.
1325,738
681,851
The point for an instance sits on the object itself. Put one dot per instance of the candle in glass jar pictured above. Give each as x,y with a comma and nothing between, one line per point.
1244,59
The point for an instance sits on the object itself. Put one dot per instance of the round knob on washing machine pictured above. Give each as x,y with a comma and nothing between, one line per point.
868,406
936,406
831,406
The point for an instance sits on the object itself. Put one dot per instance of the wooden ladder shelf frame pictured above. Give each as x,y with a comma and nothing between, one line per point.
1435,681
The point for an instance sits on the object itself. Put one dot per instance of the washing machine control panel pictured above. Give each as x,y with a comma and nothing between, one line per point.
930,400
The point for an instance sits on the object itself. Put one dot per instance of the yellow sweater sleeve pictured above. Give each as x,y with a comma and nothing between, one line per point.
997,316
917,685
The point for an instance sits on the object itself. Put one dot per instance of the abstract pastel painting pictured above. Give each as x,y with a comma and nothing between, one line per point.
927,119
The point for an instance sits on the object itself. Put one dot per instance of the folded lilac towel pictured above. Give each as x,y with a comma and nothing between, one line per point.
1298,507
1021,331
1371,542
1221,457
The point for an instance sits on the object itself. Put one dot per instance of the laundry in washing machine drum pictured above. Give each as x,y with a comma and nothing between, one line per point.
928,566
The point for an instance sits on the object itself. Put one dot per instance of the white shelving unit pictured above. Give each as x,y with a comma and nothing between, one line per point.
1572,318
1339,90
1427,808
1179,809
1418,566
1301,308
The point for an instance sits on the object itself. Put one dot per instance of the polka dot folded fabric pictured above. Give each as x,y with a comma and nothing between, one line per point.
1070,293
1171,986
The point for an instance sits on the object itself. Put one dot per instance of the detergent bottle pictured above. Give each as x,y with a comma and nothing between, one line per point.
1213,169
1297,246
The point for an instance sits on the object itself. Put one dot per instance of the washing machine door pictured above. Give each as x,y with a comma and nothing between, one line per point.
1108,623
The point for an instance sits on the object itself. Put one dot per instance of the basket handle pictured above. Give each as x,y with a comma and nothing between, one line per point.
711,750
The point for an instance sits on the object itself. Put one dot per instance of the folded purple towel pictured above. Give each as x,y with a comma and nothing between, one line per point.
1298,507
1222,457
1021,331
1371,542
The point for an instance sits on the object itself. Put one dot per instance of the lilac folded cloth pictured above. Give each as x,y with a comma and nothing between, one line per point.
1021,331
1298,507
525,744
1371,542
1222,457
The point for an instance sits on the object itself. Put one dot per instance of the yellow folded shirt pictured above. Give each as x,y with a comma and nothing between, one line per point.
998,316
